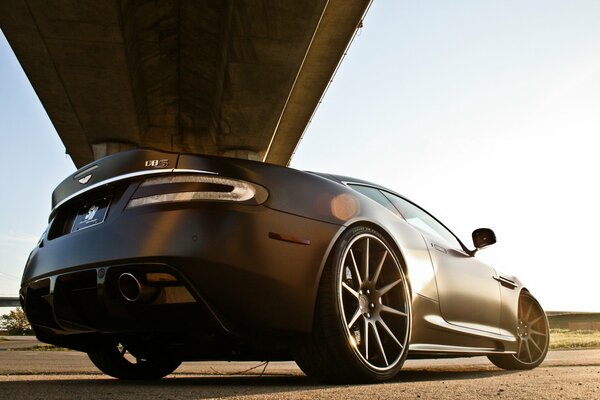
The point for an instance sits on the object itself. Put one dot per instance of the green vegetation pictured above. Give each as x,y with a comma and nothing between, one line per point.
574,339
39,347
15,323
47,347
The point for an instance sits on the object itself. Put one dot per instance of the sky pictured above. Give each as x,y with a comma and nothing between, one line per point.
487,114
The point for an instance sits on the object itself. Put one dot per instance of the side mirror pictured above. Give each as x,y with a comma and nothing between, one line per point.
483,237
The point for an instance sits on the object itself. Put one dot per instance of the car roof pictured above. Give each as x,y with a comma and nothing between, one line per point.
348,179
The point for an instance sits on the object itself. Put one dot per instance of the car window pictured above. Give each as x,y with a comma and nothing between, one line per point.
375,194
421,220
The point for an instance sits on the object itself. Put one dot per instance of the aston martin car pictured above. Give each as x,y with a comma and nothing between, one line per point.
153,258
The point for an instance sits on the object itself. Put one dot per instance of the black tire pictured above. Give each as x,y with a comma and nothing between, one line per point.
114,360
358,299
533,337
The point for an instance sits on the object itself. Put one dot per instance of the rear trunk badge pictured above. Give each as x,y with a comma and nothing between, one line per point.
157,163
85,179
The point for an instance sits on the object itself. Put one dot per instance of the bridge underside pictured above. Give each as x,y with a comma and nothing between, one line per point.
239,78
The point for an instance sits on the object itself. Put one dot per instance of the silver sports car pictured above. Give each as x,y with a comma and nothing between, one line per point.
154,258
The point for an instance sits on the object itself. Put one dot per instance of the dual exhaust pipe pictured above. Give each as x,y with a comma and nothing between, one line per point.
135,291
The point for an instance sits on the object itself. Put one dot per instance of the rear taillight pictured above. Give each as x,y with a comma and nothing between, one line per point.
185,188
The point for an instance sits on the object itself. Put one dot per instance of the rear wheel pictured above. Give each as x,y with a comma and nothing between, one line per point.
117,360
363,316
533,337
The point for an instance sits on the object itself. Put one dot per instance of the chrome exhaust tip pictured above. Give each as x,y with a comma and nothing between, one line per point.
134,291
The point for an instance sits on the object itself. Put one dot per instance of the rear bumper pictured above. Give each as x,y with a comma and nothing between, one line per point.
89,301
229,257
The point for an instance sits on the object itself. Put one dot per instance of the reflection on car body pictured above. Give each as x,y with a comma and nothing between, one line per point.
210,258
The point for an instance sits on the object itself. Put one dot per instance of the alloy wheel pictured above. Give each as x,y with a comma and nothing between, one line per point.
532,331
374,302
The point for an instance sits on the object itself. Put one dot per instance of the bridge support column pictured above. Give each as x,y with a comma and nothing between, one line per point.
242,153
107,148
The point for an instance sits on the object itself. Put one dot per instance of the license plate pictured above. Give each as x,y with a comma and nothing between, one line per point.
91,214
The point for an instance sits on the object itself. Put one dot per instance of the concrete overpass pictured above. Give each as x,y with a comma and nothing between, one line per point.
240,78
9,302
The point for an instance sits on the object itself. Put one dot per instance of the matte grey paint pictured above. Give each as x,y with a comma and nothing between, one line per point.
258,290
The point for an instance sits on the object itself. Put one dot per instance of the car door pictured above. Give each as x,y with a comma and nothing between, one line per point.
468,293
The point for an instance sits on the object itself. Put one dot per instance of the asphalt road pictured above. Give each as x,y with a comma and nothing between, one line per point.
18,342
70,375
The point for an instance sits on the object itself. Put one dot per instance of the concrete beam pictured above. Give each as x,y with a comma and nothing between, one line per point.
10,302
198,76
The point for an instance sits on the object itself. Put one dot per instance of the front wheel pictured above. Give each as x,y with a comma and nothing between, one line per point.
363,313
114,358
532,335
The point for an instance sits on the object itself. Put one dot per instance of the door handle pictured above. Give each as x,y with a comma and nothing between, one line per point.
439,248
506,282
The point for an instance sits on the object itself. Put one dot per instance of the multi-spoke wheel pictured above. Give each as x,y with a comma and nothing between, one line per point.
118,360
533,337
363,316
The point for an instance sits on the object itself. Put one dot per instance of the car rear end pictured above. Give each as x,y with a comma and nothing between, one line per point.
146,243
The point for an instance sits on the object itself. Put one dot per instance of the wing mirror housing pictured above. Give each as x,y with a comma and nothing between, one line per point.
483,237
